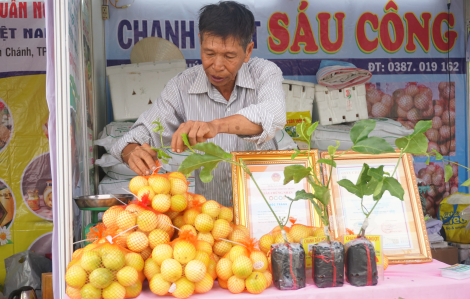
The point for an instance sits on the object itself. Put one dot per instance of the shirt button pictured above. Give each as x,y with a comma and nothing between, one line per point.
228,109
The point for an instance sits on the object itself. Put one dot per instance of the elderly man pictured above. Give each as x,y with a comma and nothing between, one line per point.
235,101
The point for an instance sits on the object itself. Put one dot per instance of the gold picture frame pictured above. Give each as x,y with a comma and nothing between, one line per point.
246,202
401,223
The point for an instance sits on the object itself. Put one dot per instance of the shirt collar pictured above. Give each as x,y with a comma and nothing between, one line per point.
203,85
244,78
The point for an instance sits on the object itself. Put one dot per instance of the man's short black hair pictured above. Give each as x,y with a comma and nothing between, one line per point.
227,19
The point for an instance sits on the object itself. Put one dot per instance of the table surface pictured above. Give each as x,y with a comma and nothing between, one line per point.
411,281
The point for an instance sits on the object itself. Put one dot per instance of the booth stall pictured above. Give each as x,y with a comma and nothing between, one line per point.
367,184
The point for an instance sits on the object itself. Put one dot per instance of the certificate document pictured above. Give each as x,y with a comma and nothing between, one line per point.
388,218
270,179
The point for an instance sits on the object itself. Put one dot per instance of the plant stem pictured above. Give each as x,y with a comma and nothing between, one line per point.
455,163
398,163
362,207
310,164
288,213
327,220
259,189
329,179
344,152
367,216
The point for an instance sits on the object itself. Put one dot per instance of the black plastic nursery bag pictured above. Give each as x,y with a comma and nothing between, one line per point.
361,265
288,265
328,264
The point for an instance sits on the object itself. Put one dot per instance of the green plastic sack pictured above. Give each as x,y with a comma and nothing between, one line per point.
449,213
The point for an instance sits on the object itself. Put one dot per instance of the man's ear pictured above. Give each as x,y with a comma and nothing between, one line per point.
249,50
200,40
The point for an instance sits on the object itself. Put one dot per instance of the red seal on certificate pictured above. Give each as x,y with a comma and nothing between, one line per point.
276,177
391,227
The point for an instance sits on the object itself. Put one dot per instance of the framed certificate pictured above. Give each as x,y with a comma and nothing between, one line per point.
251,210
401,223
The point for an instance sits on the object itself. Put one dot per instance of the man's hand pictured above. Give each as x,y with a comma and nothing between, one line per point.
198,132
140,158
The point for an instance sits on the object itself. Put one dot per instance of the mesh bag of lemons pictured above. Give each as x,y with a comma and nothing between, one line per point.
104,270
244,268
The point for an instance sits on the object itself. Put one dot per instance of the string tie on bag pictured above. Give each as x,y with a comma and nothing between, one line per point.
195,205
97,232
143,201
329,260
290,266
369,266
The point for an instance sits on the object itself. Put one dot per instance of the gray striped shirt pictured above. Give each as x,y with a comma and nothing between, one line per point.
257,95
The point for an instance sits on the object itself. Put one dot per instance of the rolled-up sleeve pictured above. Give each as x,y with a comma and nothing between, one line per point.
168,109
270,110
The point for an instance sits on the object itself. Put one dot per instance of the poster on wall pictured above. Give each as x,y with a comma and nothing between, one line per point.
25,174
414,49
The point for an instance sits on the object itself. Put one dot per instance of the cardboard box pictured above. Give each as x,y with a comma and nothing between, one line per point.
464,250
47,291
448,255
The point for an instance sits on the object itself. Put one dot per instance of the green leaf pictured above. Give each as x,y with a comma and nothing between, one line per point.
211,149
186,141
438,155
377,173
378,190
364,176
318,210
296,173
297,152
348,185
159,126
401,142
417,145
428,159
361,130
448,172
161,155
196,161
422,126
205,174
394,187
213,155
302,128
378,195
322,193
466,183
373,145
332,149
370,187
311,129
301,194
330,162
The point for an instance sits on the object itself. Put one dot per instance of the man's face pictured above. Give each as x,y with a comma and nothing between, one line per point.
221,59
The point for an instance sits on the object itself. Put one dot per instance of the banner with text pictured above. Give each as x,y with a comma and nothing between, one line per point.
25,172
